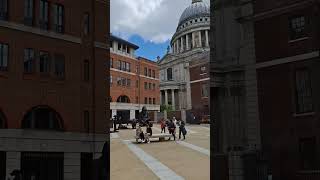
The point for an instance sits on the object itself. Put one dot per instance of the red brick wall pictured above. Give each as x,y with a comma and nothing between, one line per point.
133,91
69,97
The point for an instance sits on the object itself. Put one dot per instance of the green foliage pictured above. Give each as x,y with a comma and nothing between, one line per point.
167,108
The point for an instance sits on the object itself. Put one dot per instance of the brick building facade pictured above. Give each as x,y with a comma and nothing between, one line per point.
53,88
288,82
134,81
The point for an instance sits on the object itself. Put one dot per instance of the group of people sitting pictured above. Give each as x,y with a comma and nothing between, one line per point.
171,125
144,136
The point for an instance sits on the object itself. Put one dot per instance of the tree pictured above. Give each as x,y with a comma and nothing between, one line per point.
166,108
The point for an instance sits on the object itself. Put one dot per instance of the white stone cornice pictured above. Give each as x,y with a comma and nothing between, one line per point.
199,80
38,31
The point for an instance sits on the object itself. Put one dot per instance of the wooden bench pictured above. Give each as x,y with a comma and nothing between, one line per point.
160,136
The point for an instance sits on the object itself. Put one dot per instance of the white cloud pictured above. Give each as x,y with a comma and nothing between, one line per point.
153,20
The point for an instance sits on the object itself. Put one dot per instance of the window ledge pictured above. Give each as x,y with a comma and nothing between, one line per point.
304,114
299,39
203,74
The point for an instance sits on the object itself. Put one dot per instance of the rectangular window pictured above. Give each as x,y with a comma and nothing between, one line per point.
308,153
150,101
44,15
128,82
86,23
59,61
154,100
58,18
145,71
123,66
128,67
145,85
149,73
169,74
86,121
44,62
145,100
297,27
123,81
128,50
137,69
28,12
153,73
86,70
119,65
119,46
28,60
3,9
204,90
149,86
4,57
137,84
119,81
304,102
154,86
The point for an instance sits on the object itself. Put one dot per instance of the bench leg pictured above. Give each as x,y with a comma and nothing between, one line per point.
161,139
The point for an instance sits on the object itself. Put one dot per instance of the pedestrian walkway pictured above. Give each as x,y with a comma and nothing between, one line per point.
162,171
194,147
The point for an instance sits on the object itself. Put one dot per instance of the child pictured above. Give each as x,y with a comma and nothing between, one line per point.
139,133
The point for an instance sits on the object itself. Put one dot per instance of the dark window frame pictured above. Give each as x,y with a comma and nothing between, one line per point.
46,62
29,12
58,18
298,27
29,61
44,12
86,23
59,66
4,10
4,57
86,70
170,74
303,91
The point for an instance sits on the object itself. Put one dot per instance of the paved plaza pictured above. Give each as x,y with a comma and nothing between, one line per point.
177,160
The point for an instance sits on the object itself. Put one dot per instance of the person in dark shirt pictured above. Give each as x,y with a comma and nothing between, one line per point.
172,129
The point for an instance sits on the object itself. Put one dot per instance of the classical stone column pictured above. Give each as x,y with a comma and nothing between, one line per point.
207,38
200,39
173,100
181,41
193,40
166,97
187,42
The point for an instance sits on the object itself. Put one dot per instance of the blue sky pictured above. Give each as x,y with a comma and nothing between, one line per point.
148,49
148,23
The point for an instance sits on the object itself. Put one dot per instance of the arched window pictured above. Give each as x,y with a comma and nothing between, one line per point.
169,74
42,117
123,99
2,121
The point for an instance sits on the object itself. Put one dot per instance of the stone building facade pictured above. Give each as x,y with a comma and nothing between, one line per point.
234,97
183,70
53,89
134,81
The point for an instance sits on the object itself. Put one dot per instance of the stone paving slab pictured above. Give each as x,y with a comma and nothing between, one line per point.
125,165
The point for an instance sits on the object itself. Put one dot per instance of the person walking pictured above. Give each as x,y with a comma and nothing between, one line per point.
163,125
149,133
182,130
115,118
172,129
